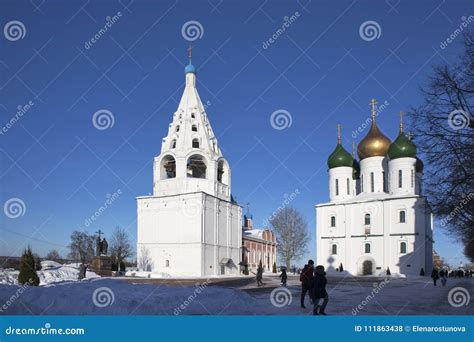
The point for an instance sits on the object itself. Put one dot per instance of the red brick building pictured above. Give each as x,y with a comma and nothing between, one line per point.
257,244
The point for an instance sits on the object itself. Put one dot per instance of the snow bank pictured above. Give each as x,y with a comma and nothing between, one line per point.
51,272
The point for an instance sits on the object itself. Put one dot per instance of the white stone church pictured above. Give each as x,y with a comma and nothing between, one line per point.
376,217
190,226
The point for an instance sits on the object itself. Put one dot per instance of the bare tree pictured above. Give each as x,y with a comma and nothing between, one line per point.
444,133
291,230
82,247
145,262
120,247
53,255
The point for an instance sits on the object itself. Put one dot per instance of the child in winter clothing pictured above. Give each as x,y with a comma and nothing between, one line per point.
319,291
283,277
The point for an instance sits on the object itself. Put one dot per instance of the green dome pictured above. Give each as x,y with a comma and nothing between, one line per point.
419,165
402,147
340,157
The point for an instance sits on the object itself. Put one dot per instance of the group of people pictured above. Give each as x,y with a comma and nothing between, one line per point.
444,274
313,282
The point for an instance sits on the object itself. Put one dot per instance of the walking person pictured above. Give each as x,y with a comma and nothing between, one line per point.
260,276
320,295
435,276
283,277
443,276
306,278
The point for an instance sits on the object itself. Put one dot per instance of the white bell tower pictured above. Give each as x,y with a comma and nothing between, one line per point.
190,226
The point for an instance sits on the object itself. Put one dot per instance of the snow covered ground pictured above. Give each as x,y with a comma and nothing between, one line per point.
51,272
348,296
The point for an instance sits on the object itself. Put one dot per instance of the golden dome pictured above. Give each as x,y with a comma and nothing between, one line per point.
375,143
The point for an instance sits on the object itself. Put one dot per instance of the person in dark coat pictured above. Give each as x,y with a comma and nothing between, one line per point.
306,278
444,277
435,276
283,277
260,276
319,291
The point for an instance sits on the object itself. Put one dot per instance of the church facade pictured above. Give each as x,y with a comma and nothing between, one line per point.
190,226
376,218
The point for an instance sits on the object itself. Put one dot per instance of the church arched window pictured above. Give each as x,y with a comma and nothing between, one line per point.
168,167
402,216
333,221
223,175
196,167
177,128
367,219
403,247
367,247
337,187
167,263
173,143
194,128
193,116
334,249
348,186
195,143
400,174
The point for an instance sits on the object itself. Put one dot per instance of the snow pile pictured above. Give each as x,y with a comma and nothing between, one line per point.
62,273
51,272
8,276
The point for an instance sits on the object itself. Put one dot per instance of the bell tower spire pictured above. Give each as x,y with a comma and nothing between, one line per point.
190,149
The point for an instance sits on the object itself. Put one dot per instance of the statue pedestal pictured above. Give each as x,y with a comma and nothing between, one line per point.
102,265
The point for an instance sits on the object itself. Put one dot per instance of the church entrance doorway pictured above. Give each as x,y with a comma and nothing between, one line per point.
367,267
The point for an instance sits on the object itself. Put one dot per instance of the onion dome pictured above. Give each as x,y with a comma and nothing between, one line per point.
419,165
402,147
375,143
339,157
190,67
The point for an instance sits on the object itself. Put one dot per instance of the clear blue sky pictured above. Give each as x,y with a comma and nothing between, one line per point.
319,69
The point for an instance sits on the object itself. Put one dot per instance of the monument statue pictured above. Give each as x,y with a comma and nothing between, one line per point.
104,246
